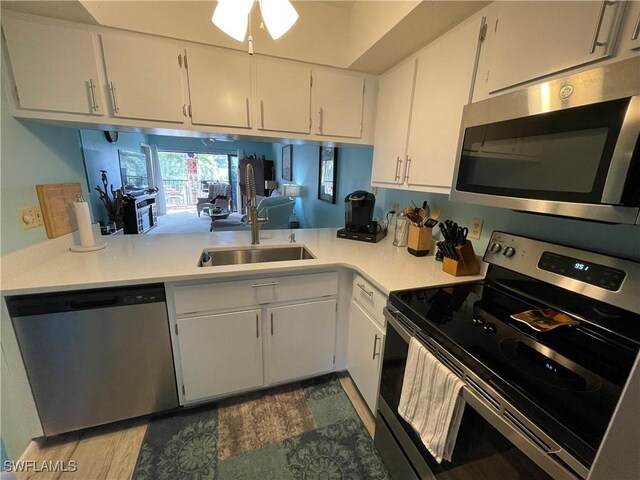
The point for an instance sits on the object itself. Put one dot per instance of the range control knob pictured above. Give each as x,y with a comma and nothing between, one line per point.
478,320
495,247
509,252
489,328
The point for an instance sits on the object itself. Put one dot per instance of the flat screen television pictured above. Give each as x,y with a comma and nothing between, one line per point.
134,172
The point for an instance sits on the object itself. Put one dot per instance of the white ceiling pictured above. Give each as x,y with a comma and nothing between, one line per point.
364,35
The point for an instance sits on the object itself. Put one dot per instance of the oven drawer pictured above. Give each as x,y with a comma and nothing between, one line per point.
369,298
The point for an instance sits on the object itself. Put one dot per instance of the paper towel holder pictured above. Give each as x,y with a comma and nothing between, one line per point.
88,248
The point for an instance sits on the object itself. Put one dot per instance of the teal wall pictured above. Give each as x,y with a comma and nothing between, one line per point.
99,154
620,240
32,153
354,173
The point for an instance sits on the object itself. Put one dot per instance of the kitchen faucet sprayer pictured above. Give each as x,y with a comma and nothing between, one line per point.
250,192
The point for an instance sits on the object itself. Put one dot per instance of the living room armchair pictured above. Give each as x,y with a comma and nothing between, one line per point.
218,197
278,210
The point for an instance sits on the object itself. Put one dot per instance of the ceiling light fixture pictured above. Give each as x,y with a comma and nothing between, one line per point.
233,16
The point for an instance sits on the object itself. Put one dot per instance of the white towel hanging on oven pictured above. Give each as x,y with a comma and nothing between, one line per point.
431,402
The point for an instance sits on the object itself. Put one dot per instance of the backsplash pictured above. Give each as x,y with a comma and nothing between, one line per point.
619,240
354,173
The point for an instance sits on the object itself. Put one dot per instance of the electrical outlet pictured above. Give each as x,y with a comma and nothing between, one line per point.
476,228
30,217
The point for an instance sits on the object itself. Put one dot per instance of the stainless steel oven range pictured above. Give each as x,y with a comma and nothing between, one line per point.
538,403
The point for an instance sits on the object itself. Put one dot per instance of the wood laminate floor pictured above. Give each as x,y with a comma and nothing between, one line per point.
110,452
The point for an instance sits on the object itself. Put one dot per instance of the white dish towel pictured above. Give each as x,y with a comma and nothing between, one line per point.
431,402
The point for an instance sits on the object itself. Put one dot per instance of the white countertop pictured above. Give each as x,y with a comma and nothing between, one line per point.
135,259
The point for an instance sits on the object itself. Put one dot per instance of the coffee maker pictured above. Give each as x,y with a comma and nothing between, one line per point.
358,217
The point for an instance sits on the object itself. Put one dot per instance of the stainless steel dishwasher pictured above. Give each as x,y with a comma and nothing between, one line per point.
96,356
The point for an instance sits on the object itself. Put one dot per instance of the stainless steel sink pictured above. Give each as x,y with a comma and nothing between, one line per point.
238,256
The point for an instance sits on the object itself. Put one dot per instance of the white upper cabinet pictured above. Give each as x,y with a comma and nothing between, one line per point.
534,39
54,67
300,340
145,77
283,96
443,88
339,104
395,95
219,87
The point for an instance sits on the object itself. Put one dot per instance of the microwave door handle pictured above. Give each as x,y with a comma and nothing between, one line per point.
622,154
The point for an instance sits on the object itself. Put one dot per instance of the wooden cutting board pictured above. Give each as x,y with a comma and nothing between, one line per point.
56,203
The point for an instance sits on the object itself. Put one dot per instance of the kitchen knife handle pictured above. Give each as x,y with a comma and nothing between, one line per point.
375,344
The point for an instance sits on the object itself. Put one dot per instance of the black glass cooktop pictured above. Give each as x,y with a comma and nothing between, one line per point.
567,380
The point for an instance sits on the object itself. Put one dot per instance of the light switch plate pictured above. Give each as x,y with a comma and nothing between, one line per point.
30,217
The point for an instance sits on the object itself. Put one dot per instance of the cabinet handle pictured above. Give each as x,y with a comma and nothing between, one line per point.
257,326
320,120
362,287
406,175
398,163
636,29
116,109
375,344
595,43
272,324
256,285
262,114
248,114
92,89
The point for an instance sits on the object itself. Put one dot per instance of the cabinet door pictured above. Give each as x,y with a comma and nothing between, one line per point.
55,68
145,78
339,104
364,358
395,95
284,96
219,87
300,340
220,353
534,39
442,90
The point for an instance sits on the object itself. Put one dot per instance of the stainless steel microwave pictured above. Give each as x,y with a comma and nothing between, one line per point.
568,147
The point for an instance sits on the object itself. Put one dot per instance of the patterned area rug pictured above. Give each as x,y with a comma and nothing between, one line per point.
307,430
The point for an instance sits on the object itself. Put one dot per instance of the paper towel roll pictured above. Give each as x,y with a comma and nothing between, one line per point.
83,219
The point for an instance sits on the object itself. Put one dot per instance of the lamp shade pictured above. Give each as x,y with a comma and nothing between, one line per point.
231,16
279,16
291,190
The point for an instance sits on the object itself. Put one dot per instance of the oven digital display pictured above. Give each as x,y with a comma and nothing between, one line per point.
592,273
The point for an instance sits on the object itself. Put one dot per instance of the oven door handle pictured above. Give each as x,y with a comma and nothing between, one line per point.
390,315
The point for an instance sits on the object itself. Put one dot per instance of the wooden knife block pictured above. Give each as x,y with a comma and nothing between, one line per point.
419,241
467,263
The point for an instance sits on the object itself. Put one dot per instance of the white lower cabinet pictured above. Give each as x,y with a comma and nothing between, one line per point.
301,340
220,353
226,346
364,360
